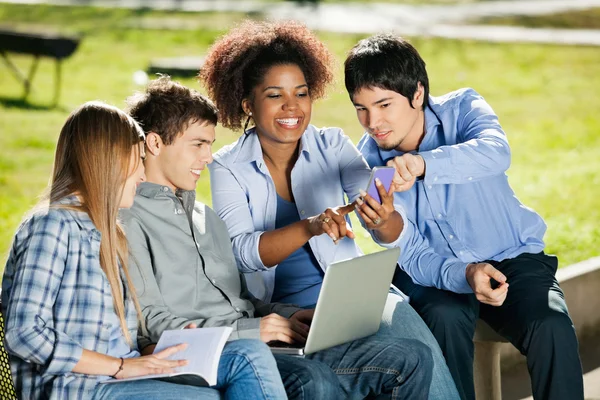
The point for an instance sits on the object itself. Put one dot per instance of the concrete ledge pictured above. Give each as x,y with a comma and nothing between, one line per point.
581,284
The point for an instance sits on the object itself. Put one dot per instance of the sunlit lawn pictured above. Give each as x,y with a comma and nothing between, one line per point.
546,97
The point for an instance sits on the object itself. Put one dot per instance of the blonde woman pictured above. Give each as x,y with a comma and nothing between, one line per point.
71,313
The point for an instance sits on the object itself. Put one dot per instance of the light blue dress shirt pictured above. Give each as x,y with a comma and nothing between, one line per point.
329,168
464,210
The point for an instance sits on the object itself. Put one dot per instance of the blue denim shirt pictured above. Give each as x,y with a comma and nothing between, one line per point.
329,167
464,210
56,302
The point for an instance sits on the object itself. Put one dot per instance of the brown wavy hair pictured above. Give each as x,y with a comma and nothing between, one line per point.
167,108
238,61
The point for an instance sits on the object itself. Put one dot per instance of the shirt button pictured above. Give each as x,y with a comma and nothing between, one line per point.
451,236
165,189
470,178
461,252
302,212
237,309
179,211
439,215
214,281
435,178
429,187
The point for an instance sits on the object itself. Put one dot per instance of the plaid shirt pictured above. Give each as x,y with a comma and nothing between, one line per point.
56,301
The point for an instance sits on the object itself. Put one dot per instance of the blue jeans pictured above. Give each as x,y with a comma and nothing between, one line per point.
306,379
247,370
401,321
380,366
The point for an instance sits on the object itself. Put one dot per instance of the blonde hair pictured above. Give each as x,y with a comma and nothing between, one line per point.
92,160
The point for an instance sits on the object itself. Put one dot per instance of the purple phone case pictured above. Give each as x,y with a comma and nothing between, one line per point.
385,175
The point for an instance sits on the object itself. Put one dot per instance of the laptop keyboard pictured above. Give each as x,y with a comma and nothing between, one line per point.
280,344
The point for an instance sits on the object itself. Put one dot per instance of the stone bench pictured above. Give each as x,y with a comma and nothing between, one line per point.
486,365
580,283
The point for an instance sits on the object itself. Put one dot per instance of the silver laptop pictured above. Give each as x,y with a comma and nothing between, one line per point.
350,304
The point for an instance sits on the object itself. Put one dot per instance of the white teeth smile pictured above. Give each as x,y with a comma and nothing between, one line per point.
288,121
196,171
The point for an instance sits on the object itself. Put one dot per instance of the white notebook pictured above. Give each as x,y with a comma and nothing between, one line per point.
203,352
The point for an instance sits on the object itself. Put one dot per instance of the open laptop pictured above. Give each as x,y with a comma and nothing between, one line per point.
350,303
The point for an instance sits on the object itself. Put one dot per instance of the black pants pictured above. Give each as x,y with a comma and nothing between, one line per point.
534,318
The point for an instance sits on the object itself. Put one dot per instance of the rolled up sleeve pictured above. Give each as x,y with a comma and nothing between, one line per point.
231,205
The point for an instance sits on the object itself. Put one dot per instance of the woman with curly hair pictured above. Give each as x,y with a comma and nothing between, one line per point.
281,187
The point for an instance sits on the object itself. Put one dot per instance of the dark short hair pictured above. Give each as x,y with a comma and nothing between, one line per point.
238,61
167,108
388,62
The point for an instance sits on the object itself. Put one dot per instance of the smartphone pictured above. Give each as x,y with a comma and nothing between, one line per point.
385,175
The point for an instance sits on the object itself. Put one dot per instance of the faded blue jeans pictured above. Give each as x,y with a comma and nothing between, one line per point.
401,321
247,370
380,366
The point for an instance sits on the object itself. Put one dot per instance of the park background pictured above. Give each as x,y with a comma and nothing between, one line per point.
545,94
546,97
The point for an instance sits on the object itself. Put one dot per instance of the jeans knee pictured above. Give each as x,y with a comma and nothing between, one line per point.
252,350
425,355
422,357
319,381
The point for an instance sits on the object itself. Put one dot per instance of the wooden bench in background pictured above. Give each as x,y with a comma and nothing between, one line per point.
185,66
39,44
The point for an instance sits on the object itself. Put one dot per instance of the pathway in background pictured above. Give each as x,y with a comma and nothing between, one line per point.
421,20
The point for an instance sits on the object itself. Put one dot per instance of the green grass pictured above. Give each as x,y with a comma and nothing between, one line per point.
543,95
581,19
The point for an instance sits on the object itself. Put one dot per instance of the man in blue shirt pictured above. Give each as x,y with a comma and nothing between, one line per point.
469,248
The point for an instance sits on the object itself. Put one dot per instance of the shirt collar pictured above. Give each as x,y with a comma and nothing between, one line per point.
82,218
431,123
250,149
153,190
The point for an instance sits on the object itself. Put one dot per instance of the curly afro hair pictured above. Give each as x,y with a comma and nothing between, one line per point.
238,61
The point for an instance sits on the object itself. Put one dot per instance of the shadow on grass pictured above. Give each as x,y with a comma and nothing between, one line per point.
23,103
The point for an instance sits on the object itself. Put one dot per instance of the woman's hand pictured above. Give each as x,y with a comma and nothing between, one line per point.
376,216
332,222
151,364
